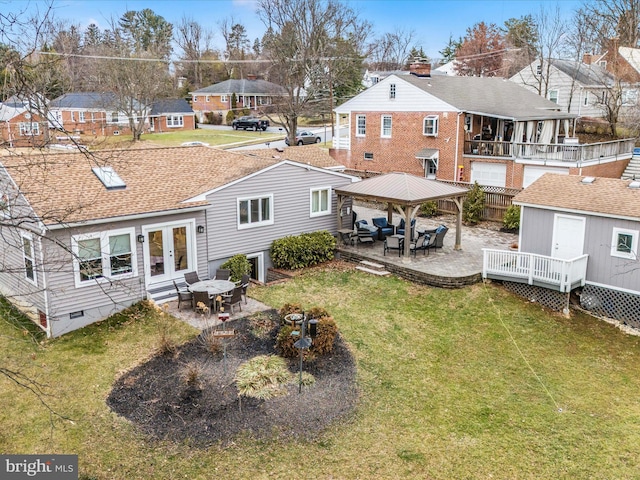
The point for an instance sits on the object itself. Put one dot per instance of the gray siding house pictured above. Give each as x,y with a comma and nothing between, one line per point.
84,236
578,231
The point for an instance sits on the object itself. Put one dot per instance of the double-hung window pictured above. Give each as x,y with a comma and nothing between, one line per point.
553,96
114,117
28,129
392,91
81,117
430,127
385,130
28,255
624,243
255,211
224,98
361,122
174,121
108,254
320,201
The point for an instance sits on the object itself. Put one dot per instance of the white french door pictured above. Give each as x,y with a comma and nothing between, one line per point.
169,251
568,236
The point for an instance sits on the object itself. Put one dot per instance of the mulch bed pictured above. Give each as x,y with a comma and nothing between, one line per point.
156,398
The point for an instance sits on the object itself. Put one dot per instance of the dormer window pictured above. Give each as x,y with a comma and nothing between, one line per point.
392,91
539,69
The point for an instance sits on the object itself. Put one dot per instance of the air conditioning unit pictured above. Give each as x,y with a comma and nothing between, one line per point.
116,132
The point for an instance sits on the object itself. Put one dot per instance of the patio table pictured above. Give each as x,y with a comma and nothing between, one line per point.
213,288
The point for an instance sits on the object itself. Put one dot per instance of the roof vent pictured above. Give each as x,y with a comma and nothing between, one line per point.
109,178
635,185
588,180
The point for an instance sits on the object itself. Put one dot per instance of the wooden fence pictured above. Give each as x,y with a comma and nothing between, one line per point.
496,200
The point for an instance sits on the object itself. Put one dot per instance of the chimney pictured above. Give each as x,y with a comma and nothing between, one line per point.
587,58
420,68
251,76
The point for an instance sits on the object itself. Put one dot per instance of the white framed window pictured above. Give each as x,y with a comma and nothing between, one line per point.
629,97
73,116
5,206
361,128
81,117
115,117
385,126
392,90
104,256
174,121
93,117
430,127
28,256
28,129
206,99
320,201
255,211
195,98
586,98
624,243
553,96
368,155
224,98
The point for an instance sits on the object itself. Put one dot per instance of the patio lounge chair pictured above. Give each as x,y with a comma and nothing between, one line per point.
424,243
385,228
393,243
183,296
439,232
400,228
365,236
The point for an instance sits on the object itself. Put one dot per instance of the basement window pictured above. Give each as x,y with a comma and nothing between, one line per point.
368,156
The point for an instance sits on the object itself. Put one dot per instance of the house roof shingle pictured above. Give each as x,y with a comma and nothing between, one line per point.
488,95
586,75
63,188
85,100
605,196
242,87
171,105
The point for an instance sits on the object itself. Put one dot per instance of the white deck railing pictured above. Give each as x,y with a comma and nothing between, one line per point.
535,269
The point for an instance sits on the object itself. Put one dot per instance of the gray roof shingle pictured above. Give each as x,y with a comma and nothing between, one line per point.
242,87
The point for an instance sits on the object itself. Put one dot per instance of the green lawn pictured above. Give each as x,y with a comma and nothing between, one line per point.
455,384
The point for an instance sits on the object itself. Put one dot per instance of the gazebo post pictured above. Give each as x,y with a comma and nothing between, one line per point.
458,201
407,229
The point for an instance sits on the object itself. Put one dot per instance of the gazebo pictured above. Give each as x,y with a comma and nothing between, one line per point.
405,193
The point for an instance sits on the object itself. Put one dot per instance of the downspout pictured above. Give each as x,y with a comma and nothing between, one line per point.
455,163
45,291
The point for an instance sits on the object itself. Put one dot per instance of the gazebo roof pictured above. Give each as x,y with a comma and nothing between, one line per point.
401,189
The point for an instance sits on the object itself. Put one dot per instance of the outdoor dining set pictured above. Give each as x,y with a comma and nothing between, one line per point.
217,294
393,236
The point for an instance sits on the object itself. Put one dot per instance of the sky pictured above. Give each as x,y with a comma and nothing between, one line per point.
433,21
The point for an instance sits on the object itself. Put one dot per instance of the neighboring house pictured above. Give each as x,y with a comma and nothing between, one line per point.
448,68
579,231
88,113
457,128
370,78
170,115
251,94
83,237
575,86
21,127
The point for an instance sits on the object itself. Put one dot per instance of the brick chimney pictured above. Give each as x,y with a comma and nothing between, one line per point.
420,68
587,58
251,76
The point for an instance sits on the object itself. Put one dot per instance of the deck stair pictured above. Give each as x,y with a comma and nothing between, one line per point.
632,171
164,292
372,268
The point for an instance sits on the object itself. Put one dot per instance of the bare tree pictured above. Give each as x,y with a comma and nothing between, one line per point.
304,44
391,50
481,52
195,43
613,18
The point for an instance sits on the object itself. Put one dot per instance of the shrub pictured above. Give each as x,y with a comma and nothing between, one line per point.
210,342
303,250
317,312
511,219
230,117
288,308
473,205
191,373
327,330
429,209
285,341
262,377
261,324
239,265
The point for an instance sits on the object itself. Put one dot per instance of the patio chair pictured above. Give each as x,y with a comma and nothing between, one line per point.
401,227
385,228
229,301
365,236
393,243
202,303
439,233
191,277
424,243
244,285
223,274
183,296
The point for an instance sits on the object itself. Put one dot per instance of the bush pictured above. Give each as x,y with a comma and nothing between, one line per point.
303,250
511,219
288,308
429,209
239,265
262,377
473,205
230,117
327,330
213,118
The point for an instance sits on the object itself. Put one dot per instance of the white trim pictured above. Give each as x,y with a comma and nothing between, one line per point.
104,250
557,216
261,223
261,272
436,125
29,236
578,212
321,213
612,287
382,118
358,134
192,248
633,254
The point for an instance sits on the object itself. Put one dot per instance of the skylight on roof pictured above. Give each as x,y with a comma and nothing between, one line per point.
109,178
635,184
588,180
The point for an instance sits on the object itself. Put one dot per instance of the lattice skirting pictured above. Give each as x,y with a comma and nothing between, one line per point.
551,299
605,302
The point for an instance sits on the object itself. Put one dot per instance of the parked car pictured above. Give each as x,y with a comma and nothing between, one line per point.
305,138
250,123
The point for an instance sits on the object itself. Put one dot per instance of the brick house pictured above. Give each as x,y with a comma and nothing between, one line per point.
467,129
21,127
170,115
251,94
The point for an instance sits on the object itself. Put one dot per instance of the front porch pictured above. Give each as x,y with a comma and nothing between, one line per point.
538,270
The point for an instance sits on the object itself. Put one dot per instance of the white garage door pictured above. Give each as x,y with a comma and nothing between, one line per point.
531,174
490,174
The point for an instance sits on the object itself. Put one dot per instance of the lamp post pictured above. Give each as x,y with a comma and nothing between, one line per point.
304,342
